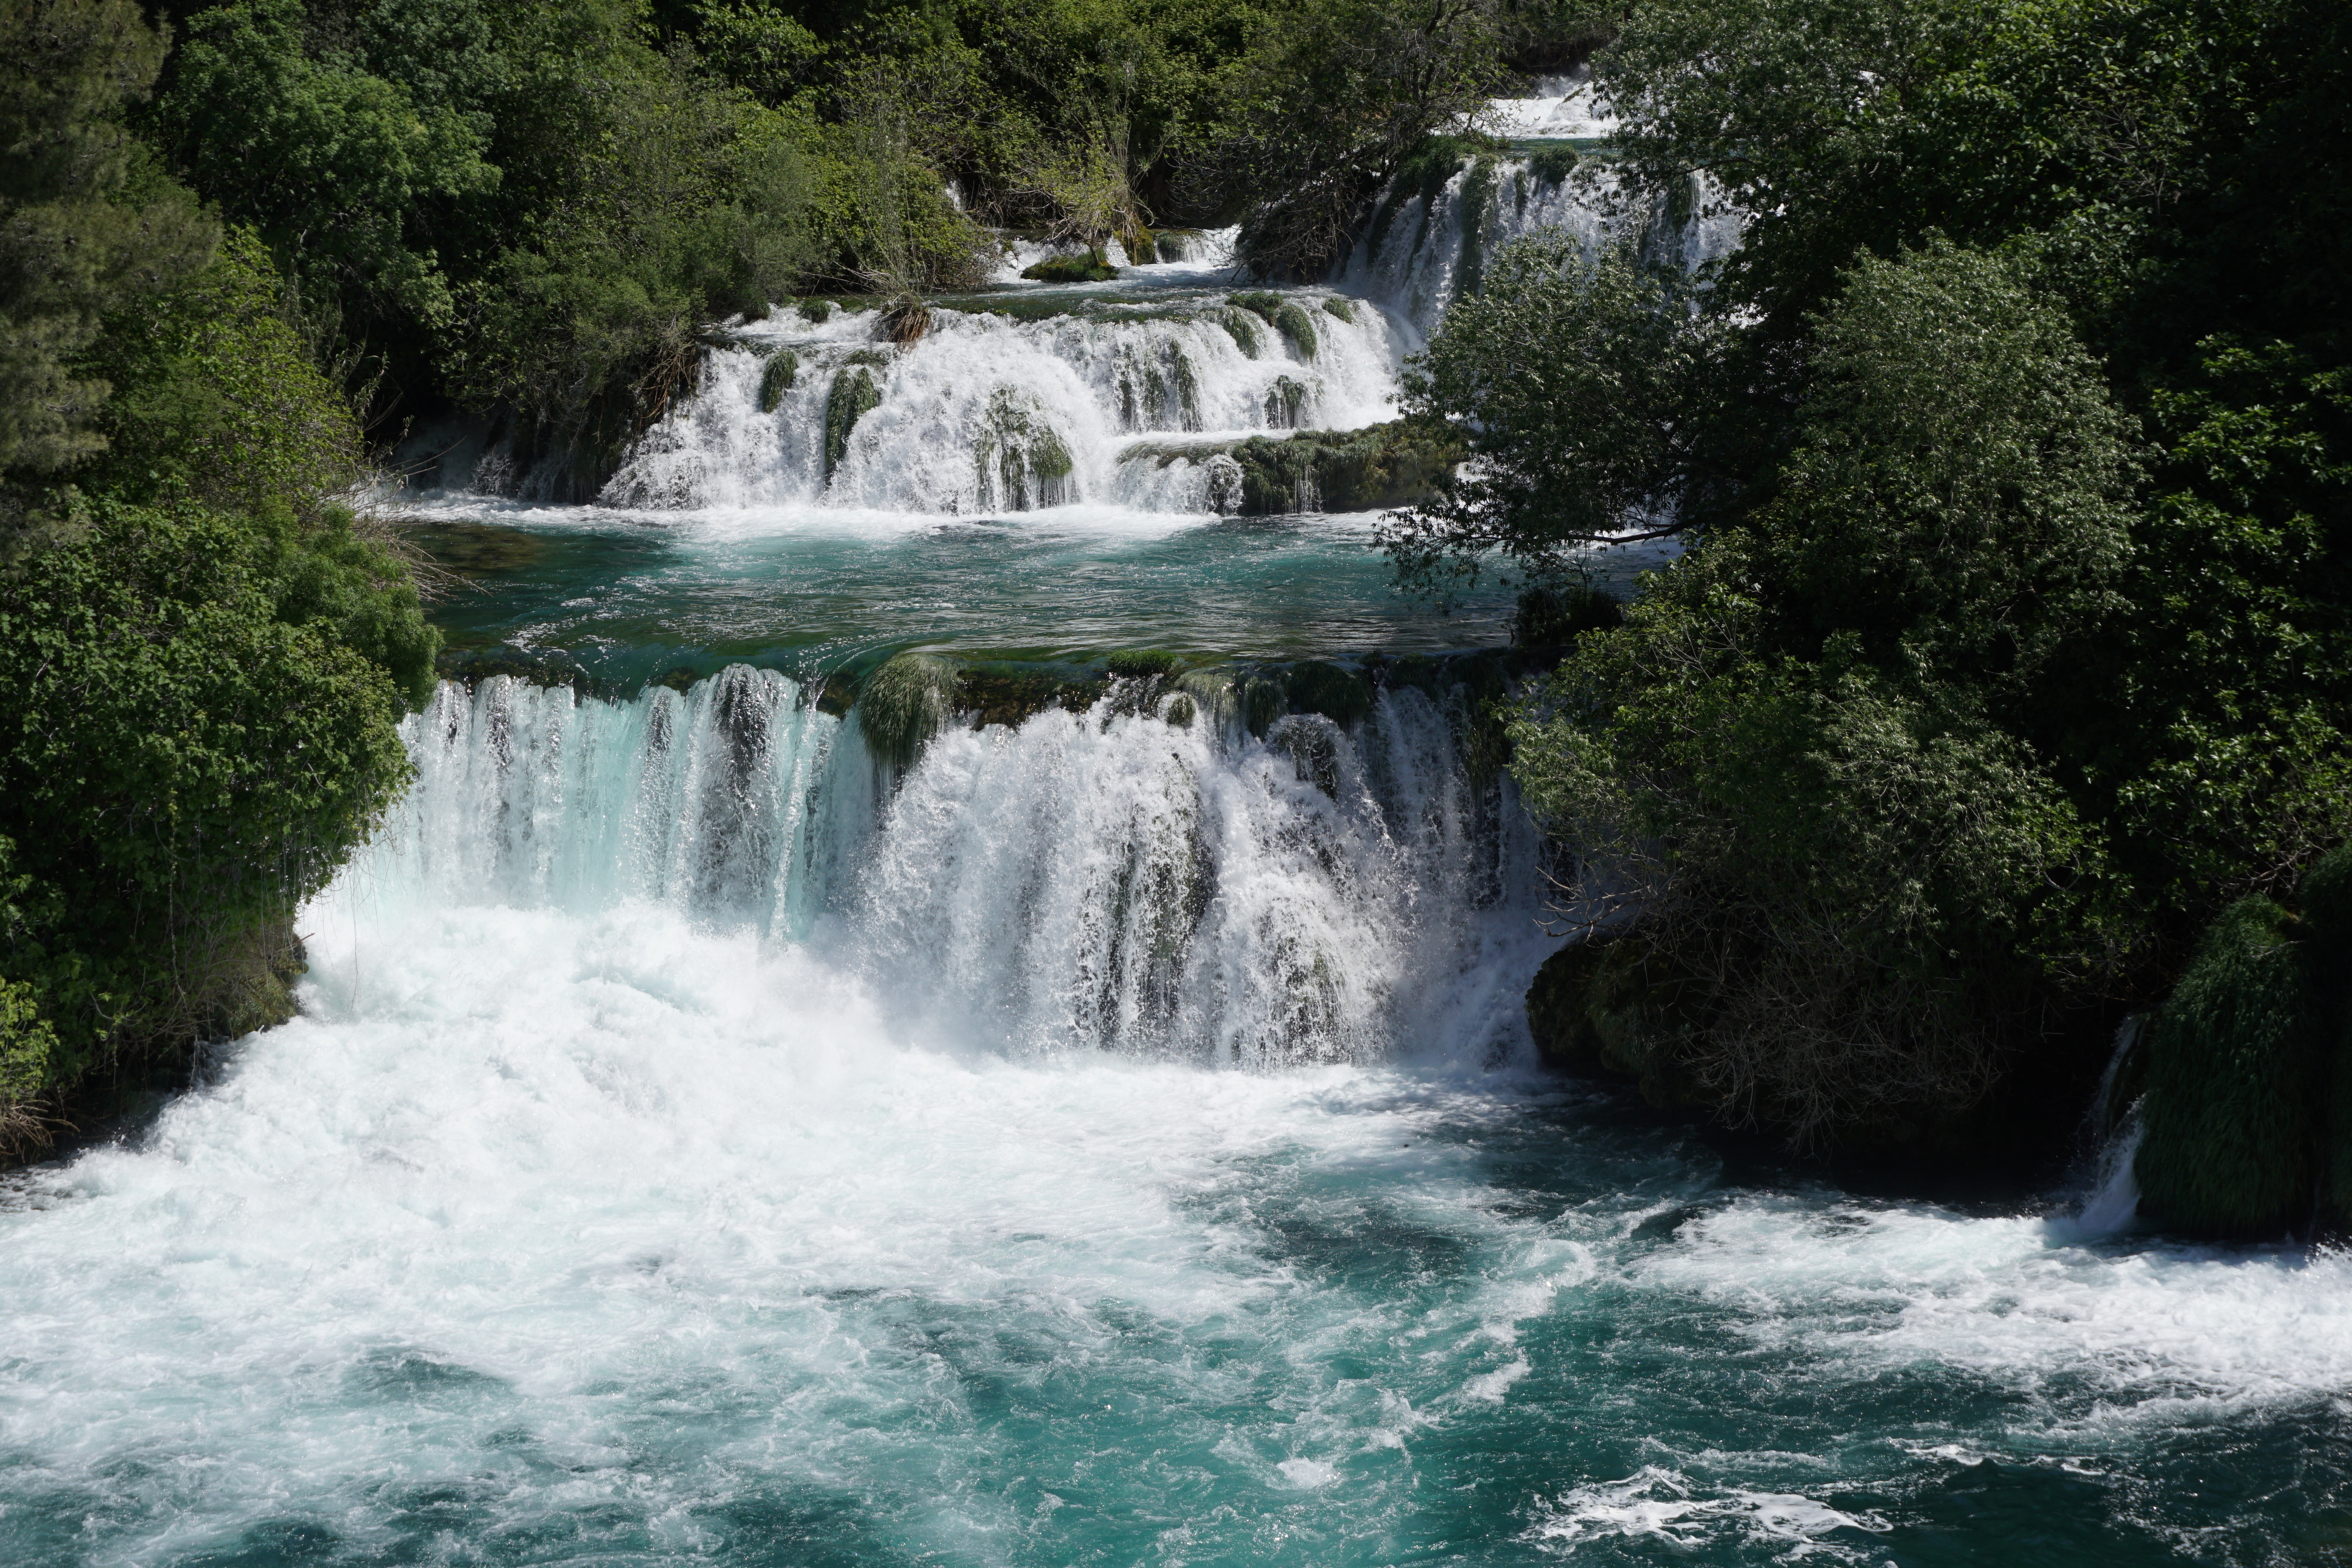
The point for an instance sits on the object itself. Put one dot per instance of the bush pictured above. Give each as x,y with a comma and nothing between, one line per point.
195,742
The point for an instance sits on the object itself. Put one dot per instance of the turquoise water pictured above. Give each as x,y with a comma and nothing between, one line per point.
631,595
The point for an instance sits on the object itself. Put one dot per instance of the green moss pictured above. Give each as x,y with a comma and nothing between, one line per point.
784,367
1339,695
1243,327
1345,309
1295,327
1555,617
1188,392
1263,303
1181,711
1477,202
903,704
854,395
2232,1116
816,312
1285,402
1137,664
1081,268
875,359
1021,461
1551,165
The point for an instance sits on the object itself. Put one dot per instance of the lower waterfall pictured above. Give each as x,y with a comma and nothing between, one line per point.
1104,881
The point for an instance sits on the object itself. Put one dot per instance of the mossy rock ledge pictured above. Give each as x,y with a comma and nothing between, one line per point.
2245,1072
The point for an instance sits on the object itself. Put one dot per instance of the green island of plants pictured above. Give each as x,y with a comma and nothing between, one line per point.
2001,687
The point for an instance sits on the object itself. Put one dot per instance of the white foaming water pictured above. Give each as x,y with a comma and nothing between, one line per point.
1420,253
986,414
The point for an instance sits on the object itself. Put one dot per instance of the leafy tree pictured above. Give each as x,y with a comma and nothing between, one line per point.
1796,760
187,755
83,226
1578,385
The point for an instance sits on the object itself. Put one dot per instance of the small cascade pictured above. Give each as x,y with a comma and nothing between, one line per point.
2113,1202
1147,877
1428,243
1019,401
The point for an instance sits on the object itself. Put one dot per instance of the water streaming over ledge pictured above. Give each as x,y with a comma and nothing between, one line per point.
1097,881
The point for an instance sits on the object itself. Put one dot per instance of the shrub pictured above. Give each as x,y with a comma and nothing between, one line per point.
195,741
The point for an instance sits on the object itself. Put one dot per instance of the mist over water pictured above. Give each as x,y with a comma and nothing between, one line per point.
1106,1139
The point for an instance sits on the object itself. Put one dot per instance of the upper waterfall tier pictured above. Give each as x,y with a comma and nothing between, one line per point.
1425,245
1008,412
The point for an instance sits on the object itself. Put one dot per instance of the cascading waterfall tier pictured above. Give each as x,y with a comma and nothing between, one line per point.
994,413
1424,249
1112,880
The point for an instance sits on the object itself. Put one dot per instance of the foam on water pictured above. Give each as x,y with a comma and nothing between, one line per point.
987,412
601,1208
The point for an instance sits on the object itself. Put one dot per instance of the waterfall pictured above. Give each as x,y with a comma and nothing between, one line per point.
1422,250
1008,405
1142,878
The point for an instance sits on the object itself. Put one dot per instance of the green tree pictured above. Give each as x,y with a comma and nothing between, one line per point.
1579,386
1796,764
84,227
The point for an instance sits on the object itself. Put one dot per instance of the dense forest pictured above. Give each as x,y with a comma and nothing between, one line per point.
2004,679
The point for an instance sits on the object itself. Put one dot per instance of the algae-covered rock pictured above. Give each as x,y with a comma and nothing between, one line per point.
1340,696
1079,268
904,704
2232,1116
854,396
1138,663
776,378
1611,1005
1392,464
1021,460
1242,328
1292,322
1286,401
1345,309
815,312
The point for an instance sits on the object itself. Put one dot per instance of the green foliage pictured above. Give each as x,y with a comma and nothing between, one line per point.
216,398
1241,327
192,745
1550,617
1345,309
327,159
85,227
1791,755
1579,387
